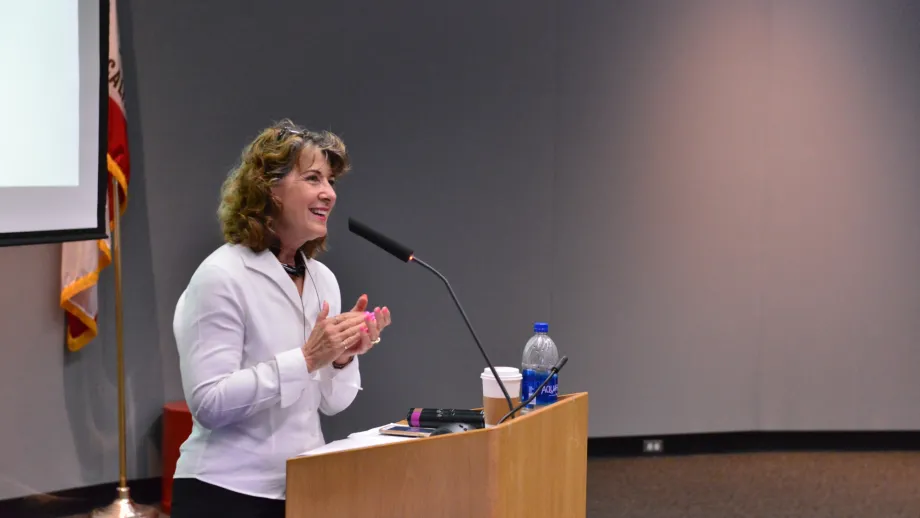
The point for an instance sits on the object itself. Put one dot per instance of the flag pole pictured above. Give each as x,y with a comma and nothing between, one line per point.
123,506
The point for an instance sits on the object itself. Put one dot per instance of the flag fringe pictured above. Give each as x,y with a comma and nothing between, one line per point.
80,284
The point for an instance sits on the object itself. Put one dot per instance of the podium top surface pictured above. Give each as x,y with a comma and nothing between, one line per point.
371,439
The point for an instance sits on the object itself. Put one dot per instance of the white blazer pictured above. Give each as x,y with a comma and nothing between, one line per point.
239,327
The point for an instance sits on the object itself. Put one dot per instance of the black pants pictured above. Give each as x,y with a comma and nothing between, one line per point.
192,498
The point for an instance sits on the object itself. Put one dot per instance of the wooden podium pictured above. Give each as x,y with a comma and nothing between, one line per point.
531,466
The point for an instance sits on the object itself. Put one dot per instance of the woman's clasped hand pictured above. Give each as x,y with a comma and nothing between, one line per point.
339,338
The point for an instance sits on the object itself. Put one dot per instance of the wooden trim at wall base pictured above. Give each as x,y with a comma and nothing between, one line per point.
749,442
79,501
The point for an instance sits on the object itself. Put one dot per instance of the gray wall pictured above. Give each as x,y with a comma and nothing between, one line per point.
713,204
739,205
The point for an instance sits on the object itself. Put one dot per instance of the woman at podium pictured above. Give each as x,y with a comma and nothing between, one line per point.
263,343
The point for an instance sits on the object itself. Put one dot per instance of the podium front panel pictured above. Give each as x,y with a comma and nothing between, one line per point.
533,466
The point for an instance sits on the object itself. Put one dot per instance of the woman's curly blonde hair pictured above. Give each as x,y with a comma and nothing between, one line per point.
248,209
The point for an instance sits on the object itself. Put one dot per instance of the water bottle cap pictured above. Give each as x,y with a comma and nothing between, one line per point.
540,327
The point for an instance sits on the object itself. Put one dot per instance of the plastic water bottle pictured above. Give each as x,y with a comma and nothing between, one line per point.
540,356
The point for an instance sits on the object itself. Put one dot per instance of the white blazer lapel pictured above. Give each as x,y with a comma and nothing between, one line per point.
266,264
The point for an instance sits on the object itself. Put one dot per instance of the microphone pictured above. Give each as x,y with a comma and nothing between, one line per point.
435,417
400,251
555,370
405,254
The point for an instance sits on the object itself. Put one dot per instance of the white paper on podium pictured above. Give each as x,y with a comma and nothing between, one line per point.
356,440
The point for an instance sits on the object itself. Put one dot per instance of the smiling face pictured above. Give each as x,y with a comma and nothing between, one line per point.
307,196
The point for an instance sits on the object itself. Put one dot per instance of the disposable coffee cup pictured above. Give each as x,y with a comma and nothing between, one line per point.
494,404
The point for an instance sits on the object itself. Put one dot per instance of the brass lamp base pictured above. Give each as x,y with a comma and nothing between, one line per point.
124,507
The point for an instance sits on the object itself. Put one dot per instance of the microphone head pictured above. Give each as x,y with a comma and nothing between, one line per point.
398,250
561,363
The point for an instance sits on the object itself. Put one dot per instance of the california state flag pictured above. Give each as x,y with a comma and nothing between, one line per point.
81,261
